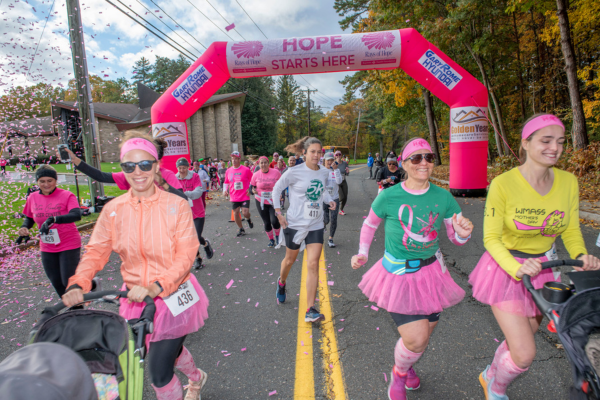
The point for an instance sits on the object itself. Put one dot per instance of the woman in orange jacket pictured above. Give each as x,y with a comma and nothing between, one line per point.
153,233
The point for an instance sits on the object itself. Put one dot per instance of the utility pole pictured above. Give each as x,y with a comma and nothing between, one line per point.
84,95
308,105
356,139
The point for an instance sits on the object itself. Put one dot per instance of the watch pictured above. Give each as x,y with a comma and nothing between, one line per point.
278,213
161,288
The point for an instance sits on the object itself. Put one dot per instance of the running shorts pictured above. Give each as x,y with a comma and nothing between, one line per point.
401,319
238,204
312,237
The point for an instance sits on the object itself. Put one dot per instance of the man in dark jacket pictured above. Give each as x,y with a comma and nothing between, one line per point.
392,174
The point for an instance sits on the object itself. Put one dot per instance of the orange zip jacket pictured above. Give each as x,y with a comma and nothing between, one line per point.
155,238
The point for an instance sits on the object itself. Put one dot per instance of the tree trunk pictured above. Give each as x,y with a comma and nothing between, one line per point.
580,137
519,67
431,124
486,82
496,133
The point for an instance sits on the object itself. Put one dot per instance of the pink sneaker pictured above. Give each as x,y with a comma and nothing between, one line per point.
342,212
412,380
397,388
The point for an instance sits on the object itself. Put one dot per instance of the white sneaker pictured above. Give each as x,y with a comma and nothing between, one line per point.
330,243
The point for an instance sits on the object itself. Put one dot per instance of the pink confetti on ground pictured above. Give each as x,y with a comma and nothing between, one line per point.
256,305
229,284
385,377
374,308
276,323
274,392
497,340
244,349
330,283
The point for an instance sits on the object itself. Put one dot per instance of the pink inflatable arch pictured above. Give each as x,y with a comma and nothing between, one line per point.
405,48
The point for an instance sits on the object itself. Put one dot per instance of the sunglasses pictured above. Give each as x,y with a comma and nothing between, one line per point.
417,158
129,166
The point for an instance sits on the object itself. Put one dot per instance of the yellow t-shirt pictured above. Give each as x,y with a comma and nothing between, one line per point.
516,217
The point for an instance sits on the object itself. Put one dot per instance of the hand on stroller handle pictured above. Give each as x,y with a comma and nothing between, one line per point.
552,264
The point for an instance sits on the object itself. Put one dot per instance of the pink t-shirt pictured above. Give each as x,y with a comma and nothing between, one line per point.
189,185
168,175
2,162
60,202
265,183
239,183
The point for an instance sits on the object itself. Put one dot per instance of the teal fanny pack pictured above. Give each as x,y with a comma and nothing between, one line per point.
397,266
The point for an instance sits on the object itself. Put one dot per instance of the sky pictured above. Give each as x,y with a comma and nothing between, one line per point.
114,42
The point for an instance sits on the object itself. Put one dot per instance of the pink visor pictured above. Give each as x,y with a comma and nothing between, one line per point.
540,122
415,145
139,144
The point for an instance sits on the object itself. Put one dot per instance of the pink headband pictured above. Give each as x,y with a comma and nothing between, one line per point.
414,146
540,122
139,144
263,158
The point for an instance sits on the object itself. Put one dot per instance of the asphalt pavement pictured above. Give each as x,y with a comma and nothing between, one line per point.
253,348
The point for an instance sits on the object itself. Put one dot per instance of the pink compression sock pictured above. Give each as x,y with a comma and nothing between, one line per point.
404,357
185,363
506,372
277,232
270,234
172,391
503,348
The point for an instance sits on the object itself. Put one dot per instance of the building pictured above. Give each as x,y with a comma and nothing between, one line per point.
213,131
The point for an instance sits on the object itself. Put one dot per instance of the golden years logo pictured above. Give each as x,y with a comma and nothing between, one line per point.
174,134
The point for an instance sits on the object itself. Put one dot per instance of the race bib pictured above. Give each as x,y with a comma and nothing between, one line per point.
238,185
267,195
51,238
185,297
330,189
440,258
312,210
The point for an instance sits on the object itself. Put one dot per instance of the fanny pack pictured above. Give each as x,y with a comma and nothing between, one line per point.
397,266
551,254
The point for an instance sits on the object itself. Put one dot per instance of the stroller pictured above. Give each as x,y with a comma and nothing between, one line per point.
575,311
106,342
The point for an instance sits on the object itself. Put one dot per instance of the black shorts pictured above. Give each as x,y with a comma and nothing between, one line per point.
401,319
312,237
238,204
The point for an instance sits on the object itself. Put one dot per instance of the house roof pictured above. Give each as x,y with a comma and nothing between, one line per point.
118,112
28,127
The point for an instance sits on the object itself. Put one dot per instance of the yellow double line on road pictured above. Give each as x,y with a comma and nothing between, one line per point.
304,387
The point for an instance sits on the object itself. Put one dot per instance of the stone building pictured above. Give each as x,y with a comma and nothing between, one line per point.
213,131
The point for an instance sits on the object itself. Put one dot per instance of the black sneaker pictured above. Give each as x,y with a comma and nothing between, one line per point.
281,295
250,223
313,315
198,264
242,232
208,250
271,243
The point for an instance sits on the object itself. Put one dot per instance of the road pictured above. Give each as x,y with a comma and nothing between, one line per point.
252,347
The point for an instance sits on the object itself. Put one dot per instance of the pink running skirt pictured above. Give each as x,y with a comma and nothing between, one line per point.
424,292
166,326
494,286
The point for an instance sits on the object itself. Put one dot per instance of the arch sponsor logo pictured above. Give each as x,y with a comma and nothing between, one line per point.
192,83
468,124
174,134
328,53
440,69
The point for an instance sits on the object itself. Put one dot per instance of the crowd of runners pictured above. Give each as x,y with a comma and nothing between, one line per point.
410,280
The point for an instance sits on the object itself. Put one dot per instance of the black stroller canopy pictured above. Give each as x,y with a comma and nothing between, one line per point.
46,371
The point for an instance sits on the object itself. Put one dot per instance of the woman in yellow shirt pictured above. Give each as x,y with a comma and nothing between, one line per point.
527,208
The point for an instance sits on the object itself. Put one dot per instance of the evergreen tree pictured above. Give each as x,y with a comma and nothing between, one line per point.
288,100
142,70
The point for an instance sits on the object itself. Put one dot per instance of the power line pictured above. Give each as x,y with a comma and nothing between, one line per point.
176,24
226,34
236,31
151,31
243,9
172,30
39,40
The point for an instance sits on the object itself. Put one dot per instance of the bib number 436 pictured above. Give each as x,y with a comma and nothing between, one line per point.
185,297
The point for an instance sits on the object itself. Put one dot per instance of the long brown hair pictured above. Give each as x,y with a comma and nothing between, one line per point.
301,145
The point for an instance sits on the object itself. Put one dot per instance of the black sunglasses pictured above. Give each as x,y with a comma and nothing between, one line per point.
129,166
417,158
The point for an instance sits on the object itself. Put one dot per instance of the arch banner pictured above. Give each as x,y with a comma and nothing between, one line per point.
405,49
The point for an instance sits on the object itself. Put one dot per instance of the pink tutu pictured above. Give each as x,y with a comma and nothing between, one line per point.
424,292
494,286
166,326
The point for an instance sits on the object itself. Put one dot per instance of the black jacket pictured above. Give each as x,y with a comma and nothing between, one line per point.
384,173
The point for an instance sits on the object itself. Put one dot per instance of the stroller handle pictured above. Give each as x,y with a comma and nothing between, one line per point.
147,314
551,264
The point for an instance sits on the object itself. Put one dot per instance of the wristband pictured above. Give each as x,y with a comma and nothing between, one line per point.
160,287
579,255
278,213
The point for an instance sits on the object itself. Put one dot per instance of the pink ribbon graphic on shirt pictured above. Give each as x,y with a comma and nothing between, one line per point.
551,224
429,233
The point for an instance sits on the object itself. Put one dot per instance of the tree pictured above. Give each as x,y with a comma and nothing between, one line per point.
288,97
166,71
142,71
104,91
29,102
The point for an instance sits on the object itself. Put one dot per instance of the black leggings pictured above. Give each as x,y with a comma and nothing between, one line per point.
199,224
59,267
161,360
343,194
268,216
334,216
